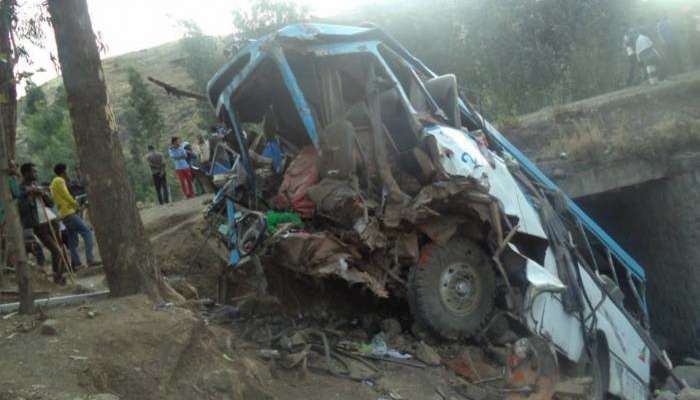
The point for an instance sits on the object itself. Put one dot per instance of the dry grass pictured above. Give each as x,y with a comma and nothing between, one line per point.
597,142
586,141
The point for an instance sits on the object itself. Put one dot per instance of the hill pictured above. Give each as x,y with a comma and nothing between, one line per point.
163,62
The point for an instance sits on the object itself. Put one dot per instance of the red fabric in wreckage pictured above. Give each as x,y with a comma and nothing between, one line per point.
301,175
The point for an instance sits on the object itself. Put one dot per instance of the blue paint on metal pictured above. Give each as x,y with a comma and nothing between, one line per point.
532,170
333,49
232,235
297,96
242,147
313,31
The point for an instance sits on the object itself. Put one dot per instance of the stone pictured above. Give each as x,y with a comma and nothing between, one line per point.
427,354
391,328
49,327
689,394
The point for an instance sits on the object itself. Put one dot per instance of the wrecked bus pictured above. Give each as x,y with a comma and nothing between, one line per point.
402,187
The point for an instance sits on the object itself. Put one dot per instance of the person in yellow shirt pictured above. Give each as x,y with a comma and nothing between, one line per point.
68,209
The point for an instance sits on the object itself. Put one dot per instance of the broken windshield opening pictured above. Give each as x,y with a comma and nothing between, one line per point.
227,76
408,80
264,92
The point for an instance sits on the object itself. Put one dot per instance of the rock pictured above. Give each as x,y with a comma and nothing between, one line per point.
689,373
689,394
391,327
49,327
91,314
427,354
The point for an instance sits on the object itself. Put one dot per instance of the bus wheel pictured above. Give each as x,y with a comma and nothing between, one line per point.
452,289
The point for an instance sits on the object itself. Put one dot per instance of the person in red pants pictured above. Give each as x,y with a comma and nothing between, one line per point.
182,168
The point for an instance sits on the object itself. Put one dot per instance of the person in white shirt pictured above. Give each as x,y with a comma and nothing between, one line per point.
648,57
629,45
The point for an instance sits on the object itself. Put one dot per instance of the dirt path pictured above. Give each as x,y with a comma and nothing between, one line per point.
133,349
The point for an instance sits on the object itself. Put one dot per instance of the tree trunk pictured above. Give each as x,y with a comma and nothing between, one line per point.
13,230
128,258
8,88
16,255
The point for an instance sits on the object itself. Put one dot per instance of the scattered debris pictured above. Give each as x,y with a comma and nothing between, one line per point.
10,315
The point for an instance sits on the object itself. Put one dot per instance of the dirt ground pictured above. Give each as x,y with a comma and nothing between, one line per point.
133,349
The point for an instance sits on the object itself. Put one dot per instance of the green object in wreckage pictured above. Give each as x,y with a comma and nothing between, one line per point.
274,219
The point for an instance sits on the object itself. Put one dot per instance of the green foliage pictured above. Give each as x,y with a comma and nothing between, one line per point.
516,56
147,113
143,124
49,134
265,16
34,99
203,56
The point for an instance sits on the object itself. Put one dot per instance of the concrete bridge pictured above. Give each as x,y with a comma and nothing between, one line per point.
636,171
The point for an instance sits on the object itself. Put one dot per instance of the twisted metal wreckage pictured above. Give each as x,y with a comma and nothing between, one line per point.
404,188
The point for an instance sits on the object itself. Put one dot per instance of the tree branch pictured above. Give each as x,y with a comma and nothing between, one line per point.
172,90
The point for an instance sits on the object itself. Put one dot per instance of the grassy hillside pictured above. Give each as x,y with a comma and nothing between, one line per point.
161,62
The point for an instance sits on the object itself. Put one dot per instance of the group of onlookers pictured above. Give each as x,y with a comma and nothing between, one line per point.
192,163
51,216
666,56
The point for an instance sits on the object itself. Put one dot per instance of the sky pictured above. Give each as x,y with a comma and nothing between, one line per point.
130,25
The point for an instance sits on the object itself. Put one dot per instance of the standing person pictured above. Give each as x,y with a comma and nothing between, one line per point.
182,168
33,205
648,57
68,209
193,161
628,42
202,152
156,162
669,43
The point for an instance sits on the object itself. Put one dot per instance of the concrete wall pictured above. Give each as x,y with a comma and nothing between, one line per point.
658,223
